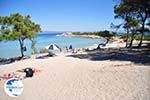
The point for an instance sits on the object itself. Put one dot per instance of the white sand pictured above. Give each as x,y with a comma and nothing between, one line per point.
67,78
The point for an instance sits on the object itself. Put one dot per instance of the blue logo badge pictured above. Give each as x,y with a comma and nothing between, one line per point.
13,87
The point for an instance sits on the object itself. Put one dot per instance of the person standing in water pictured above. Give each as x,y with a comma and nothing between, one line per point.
70,48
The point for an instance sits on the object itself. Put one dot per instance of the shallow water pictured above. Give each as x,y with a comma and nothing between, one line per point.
12,49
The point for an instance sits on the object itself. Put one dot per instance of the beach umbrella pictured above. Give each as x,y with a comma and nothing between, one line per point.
53,48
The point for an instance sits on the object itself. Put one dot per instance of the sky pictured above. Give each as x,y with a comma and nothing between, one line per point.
64,15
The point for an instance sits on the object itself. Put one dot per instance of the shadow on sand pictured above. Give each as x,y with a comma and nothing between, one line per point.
4,61
135,55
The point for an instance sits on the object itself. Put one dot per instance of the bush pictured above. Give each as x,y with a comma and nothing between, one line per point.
44,51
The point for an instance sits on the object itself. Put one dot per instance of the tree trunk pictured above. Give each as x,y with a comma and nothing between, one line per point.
33,45
21,47
127,37
141,40
142,34
131,40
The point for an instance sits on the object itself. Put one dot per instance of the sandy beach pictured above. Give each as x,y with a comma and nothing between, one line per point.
75,50
64,77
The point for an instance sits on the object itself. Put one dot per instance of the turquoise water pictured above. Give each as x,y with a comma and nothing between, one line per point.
12,49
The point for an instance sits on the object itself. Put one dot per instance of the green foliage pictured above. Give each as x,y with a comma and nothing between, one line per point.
135,14
18,27
105,34
136,36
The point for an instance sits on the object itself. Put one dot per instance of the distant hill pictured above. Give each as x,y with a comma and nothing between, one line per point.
50,32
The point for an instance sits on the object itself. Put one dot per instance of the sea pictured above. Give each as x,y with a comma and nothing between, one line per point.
12,49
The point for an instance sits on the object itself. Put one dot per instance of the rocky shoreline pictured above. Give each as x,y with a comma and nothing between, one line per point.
70,34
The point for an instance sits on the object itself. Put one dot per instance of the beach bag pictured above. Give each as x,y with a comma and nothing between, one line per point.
24,49
29,72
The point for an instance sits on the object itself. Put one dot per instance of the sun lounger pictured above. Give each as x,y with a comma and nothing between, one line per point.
40,57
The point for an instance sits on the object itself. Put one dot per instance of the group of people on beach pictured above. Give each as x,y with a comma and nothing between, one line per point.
69,49
74,50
